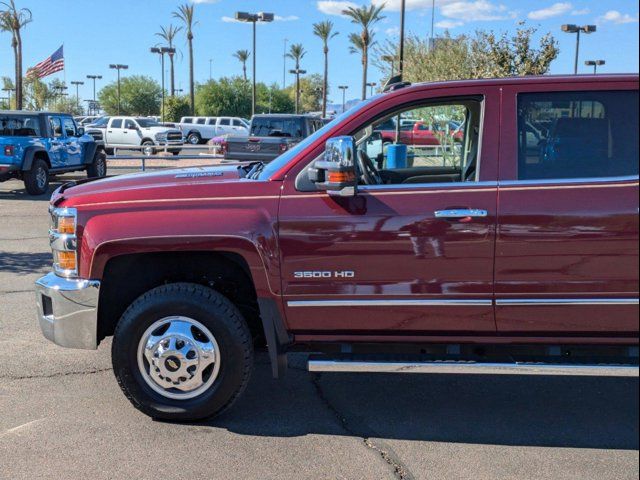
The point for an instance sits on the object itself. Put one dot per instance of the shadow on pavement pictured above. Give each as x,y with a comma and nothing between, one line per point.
24,263
545,411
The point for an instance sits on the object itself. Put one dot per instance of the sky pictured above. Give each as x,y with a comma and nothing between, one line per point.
96,33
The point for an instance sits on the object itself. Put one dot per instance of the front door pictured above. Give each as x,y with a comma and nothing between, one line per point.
57,150
73,148
567,247
410,254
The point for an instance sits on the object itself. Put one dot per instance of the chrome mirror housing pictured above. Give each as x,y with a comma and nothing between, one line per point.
335,172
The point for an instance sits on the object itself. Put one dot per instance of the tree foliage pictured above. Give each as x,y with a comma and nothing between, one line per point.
232,97
482,55
310,93
175,108
140,95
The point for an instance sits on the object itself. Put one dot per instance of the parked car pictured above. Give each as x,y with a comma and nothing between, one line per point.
199,130
270,135
501,262
419,132
123,132
35,145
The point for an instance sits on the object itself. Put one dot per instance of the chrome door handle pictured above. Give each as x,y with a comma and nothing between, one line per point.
460,213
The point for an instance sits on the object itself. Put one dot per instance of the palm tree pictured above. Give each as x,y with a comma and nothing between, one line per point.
296,52
243,56
324,31
13,20
185,14
366,17
168,35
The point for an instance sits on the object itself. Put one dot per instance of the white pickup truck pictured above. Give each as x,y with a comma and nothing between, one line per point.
200,129
123,132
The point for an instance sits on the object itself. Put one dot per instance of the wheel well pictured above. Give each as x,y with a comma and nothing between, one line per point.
146,140
127,277
42,155
195,132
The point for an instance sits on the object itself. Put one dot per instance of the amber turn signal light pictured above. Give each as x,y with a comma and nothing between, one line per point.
66,260
340,177
66,225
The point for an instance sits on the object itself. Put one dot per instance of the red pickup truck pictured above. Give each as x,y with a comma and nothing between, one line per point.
519,255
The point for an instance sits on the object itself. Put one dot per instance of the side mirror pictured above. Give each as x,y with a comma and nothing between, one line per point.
80,131
336,171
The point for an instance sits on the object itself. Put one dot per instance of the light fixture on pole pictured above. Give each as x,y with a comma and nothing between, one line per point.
118,67
344,91
253,18
77,84
571,28
371,85
94,78
161,51
595,64
297,72
391,59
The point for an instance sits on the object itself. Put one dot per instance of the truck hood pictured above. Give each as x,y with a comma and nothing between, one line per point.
166,184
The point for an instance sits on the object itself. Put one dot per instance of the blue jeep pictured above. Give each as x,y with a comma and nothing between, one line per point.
35,145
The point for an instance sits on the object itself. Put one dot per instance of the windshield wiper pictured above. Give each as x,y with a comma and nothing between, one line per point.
255,171
245,171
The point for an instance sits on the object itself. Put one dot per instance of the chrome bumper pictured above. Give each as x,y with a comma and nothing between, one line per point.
68,310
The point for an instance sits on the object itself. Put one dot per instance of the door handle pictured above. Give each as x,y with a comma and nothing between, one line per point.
460,213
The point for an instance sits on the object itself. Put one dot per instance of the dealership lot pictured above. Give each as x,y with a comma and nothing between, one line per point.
62,414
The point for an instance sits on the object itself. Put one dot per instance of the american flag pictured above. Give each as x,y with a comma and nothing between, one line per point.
51,64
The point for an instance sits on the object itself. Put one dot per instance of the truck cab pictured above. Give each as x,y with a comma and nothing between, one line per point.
514,251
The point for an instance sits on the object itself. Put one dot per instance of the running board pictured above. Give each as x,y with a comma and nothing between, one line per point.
449,367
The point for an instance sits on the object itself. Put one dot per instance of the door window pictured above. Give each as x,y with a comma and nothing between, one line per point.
69,127
577,134
116,123
238,123
56,126
225,122
431,143
201,121
187,120
129,125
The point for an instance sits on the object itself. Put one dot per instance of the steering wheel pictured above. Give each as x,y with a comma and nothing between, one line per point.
369,172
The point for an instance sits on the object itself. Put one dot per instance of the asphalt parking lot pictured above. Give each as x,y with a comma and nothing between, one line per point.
63,416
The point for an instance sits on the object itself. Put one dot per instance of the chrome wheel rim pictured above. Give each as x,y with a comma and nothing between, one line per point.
194,140
41,178
148,150
178,357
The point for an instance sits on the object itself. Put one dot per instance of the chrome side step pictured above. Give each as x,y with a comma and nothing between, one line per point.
450,367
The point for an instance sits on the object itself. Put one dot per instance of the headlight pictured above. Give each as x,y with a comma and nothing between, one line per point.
63,241
161,137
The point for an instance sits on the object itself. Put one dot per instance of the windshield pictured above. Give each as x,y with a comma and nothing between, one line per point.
147,122
289,155
100,122
19,126
277,127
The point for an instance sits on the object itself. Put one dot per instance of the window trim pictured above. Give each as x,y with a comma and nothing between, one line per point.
569,181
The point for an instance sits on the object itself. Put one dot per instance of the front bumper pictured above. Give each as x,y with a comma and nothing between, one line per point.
68,310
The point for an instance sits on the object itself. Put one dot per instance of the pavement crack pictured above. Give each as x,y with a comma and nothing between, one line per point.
59,374
386,453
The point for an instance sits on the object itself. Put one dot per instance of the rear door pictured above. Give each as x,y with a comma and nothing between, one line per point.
57,150
567,245
116,132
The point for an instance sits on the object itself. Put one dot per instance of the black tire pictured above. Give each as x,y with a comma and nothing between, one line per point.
194,138
176,152
212,310
109,151
148,143
98,168
36,180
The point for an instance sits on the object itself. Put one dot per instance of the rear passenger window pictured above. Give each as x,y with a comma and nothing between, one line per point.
577,135
225,121
201,121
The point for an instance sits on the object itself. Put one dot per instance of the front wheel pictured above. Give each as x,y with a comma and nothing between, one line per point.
36,180
98,168
147,148
182,352
194,138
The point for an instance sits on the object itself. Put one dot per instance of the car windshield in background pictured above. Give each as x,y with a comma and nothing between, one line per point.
275,127
19,126
100,122
147,122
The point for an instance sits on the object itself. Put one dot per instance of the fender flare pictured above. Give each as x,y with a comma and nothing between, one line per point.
30,153
89,152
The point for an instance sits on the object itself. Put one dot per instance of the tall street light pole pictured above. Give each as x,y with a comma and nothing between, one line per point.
253,18
401,52
571,28
371,85
297,72
77,84
94,78
210,69
595,64
284,64
118,67
161,51
8,90
344,91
